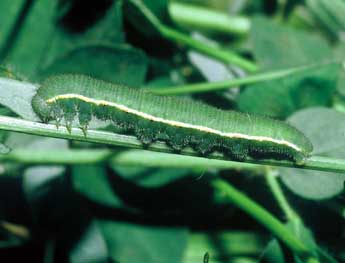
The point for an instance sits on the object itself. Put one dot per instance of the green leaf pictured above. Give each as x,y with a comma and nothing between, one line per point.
28,42
38,181
132,243
223,246
42,187
84,176
279,46
136,188
330,14
303,233
107,29
17,95
210,68
113,191
275,47
273,253
4,149
284,96
150,177
91,246
118,64
325,128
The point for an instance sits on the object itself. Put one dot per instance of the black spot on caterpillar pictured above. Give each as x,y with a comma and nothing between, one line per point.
178,122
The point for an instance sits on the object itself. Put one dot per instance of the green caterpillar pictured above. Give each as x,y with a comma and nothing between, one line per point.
178,122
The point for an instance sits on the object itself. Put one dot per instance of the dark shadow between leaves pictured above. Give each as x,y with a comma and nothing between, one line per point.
90,11
186,201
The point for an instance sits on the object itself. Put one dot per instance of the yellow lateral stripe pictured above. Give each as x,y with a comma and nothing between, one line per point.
171,122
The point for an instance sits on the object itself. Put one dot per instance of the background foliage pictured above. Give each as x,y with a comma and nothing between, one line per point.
116,205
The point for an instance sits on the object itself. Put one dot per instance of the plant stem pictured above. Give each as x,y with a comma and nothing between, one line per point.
225,56
56,157
262,216
121,157
156,159
272,181
281,9
18,125
201,18
291,215
221,85
312,260
181,38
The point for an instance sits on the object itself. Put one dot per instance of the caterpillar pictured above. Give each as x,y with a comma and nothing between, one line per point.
178,122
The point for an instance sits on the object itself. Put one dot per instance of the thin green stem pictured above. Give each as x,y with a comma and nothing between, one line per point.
56,157
324,255
18,125
239,243
222,85
141,158
291,215
281,9
201,18
272,181
312,260
231,194
156,159
225,56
